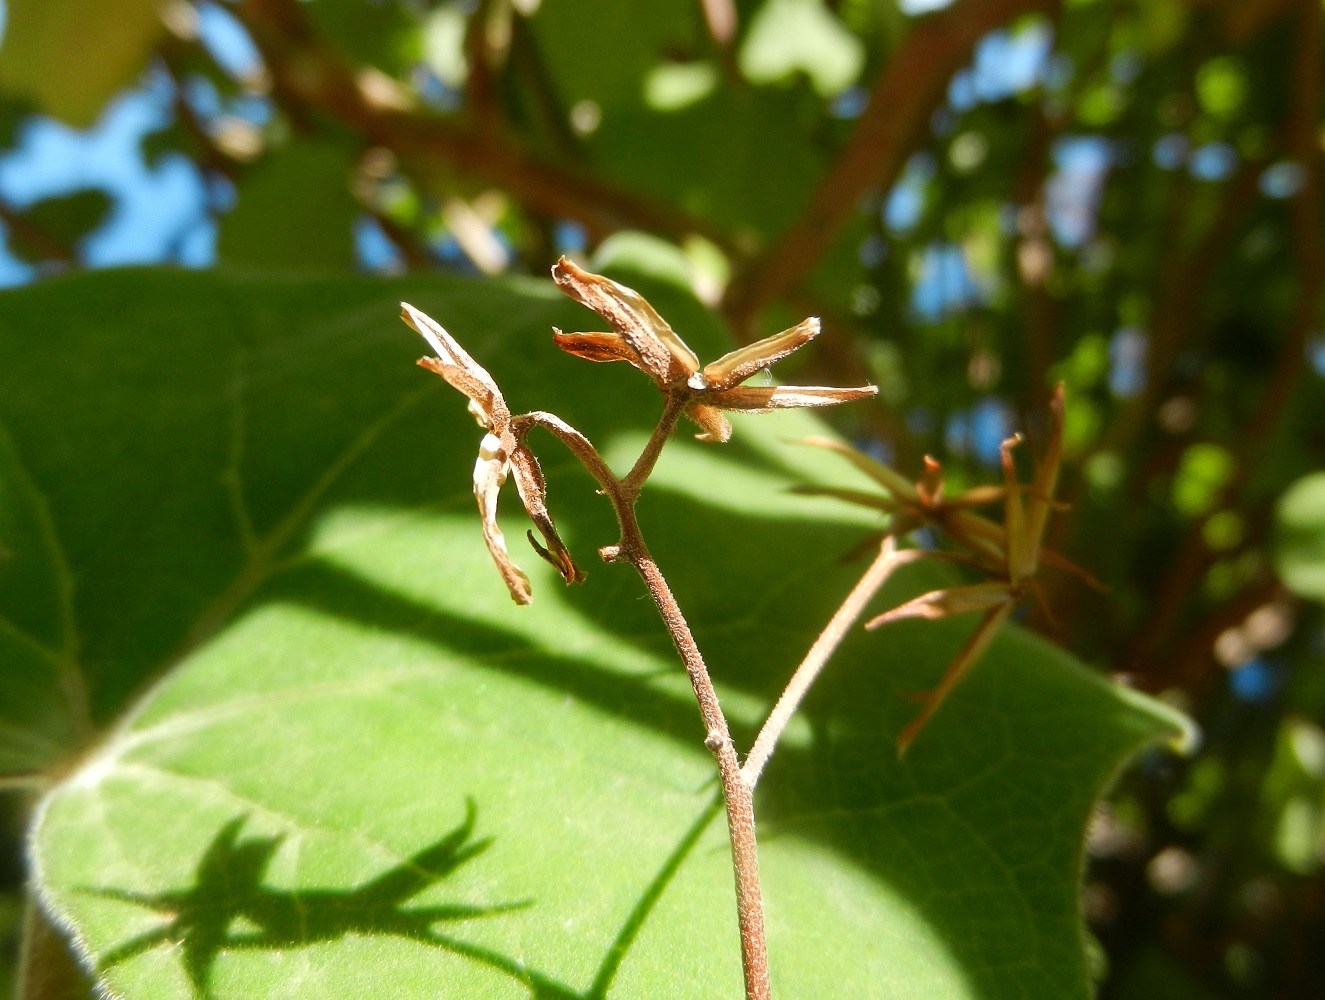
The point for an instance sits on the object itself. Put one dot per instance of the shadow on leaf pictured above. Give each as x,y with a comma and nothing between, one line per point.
229,893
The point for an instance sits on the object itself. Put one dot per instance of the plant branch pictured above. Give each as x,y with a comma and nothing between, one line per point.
42,243
737,792
311,76
649,456
888,559
910,86
1195,557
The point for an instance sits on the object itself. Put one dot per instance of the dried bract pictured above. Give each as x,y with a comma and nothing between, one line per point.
1009,554
643,339
501,452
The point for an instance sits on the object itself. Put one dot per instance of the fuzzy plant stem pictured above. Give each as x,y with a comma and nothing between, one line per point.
888,559
737,791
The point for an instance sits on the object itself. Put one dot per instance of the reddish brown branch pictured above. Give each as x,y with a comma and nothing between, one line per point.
311,76
910,86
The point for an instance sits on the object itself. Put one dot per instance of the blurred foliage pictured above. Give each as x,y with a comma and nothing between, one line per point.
1121,194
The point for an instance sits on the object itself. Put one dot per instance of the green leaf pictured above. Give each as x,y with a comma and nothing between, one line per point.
350,765
787,37
386,35
295,211
40,687
72,57
1299,549
660,131
602,52
64,220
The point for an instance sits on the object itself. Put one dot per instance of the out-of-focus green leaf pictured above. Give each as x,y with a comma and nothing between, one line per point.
65,220
383,34
295,211
787,37
1293,796
1201,474
1221,86
71,57
702,157
639,70
40,685
601,52
444,43
673,86
1299,549
361,768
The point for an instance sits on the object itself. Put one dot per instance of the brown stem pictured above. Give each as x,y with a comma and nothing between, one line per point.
1181,289
649,456
829,639
737,792
1195,556
910,85
312,78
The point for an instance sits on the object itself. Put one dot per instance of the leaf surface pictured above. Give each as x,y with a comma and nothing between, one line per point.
338,761
71,57
1299,549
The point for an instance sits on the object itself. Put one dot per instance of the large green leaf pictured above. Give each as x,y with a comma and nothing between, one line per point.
295,212
698,153
71,57
1299,549
351,766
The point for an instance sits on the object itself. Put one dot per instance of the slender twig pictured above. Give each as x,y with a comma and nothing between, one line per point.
738,793
888,559
649,456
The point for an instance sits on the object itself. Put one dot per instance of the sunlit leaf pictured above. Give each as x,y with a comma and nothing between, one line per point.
359,767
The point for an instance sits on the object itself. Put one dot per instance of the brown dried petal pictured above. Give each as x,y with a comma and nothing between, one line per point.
1021,550
461,371
976,496
898,486
717,428
875,501
445,345
734,368
662,354
486,407
596,346
760,399
967,657
532,487
1045,482
489,474
947,602
986,540
929,487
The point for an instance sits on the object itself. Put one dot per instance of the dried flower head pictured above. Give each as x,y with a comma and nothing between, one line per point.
644,339
1009,554
500,452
